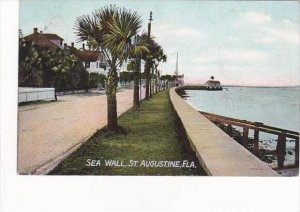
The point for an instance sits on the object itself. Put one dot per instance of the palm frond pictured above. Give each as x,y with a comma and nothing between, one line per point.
122,27
87,26
114,30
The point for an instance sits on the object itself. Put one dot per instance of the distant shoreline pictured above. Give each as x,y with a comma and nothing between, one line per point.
248,86
261,86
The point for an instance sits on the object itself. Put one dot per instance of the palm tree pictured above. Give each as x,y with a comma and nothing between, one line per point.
138,50
149,58
113,29
134,66
159,56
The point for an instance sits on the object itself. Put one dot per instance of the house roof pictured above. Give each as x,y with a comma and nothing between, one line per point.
41,40
213,81
52,36
86,55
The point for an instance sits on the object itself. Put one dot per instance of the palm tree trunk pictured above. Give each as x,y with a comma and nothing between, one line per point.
153,82
150,81
147,77
111,91
136,100
150,86
156,86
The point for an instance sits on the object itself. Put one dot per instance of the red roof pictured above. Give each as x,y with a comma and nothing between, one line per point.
51,36
40,41
88,55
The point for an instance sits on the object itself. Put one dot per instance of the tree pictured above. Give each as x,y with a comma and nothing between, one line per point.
167,78
159,56
156,56
113,29
125,77
30,67
212,77
134,66
139,49
40,67
149,61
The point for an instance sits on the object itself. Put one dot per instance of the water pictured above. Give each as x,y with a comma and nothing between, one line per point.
278,107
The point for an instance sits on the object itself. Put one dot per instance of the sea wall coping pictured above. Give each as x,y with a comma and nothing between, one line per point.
217,152
26,94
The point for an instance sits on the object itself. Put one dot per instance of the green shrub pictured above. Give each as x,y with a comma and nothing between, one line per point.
96,80
51,68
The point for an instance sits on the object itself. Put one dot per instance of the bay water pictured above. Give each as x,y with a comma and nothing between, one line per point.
274,106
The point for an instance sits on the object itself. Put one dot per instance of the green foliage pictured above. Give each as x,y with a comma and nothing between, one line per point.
30,67
96,79
132,65
50,68
110,29
155,50
92,43
167,77
126,76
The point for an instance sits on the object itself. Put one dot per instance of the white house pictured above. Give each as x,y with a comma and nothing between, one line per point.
93,61
179,79
213,85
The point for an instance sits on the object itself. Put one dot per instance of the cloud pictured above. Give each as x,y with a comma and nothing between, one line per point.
288,22
243,75
228,54
168,32
265,30
255,18
186,32
287,33
265,40
290,36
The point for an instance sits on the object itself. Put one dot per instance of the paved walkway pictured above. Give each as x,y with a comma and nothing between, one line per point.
48,132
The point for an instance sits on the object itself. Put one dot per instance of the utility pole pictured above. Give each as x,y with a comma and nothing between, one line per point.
151,66
149,24
148,64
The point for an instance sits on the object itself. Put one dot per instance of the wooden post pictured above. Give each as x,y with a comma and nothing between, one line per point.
256,140
245,136
229,130
280,150
297,152
256,136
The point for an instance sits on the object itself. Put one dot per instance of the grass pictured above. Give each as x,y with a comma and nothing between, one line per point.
152,135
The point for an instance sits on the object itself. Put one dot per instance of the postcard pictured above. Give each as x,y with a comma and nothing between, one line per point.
158,88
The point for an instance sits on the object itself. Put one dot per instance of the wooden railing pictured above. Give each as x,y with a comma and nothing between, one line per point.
257,127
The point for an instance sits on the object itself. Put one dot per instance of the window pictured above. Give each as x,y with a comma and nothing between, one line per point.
102,66
87,64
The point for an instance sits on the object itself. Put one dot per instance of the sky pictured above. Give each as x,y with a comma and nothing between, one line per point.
253,43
